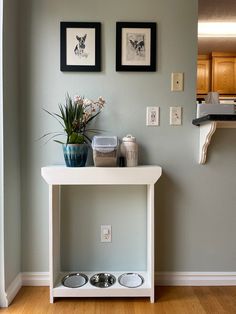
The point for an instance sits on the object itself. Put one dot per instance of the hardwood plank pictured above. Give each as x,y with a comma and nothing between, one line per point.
170,300
217,299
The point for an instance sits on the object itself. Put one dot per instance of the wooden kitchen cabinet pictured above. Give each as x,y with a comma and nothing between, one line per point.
224,74
203,74
217,73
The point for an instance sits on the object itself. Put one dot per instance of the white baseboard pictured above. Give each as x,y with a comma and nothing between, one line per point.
195,278
161,279
13,289
35,278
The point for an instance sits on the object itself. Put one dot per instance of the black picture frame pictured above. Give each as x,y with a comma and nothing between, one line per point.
136,46
80,46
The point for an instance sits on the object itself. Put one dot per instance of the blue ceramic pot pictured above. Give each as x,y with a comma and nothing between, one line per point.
75,154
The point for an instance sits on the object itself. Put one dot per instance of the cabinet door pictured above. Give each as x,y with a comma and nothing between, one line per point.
224,75
203,76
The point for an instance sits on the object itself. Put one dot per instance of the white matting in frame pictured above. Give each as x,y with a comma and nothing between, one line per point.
80,46
136,43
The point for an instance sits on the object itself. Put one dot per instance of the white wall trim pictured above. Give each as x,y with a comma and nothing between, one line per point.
195,278
161,278
35,278
13,289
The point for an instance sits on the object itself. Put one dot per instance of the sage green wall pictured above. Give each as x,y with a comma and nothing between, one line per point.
2,269
195,205
122,207
11,145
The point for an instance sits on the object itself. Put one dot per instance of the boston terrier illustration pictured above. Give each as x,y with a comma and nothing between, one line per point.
138,46
79,48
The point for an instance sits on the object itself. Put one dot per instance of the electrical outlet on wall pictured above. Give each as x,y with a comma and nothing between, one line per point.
152,116
175,115
105,233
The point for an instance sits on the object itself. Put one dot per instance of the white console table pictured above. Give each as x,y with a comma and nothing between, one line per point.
56,176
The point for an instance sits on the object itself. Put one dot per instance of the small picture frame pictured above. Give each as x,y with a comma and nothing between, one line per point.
135,46
80,46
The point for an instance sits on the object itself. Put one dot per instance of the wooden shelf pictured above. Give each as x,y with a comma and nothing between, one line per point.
208,124
56,176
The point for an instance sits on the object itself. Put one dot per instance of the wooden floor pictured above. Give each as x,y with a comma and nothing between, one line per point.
182,300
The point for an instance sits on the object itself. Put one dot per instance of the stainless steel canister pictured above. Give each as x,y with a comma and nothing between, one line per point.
129,149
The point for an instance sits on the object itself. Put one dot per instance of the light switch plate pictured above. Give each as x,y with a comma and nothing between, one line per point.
177,82
175,115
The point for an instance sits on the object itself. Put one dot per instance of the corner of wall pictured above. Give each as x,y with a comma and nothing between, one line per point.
13,289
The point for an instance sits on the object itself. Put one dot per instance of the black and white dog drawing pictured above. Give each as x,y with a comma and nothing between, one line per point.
138,45
80,47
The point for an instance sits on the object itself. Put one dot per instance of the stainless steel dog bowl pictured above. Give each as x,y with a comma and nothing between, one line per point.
74,280
102,280
131,280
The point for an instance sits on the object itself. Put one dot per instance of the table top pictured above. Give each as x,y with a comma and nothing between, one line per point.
62,175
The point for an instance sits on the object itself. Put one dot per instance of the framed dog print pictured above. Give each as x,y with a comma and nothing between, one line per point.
135,46
80,46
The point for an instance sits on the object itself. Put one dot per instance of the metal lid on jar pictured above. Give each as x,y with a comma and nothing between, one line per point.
129,138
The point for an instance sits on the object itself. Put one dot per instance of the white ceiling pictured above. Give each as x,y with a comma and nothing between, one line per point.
218,11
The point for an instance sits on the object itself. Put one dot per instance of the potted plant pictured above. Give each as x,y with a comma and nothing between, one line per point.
74,117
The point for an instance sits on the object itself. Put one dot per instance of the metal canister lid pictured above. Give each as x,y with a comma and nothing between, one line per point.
129,138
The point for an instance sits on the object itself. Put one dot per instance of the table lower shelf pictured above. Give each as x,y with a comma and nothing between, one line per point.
116,290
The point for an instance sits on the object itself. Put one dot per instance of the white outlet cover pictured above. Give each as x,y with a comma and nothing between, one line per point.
152,116
106,233
175,115
177,82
